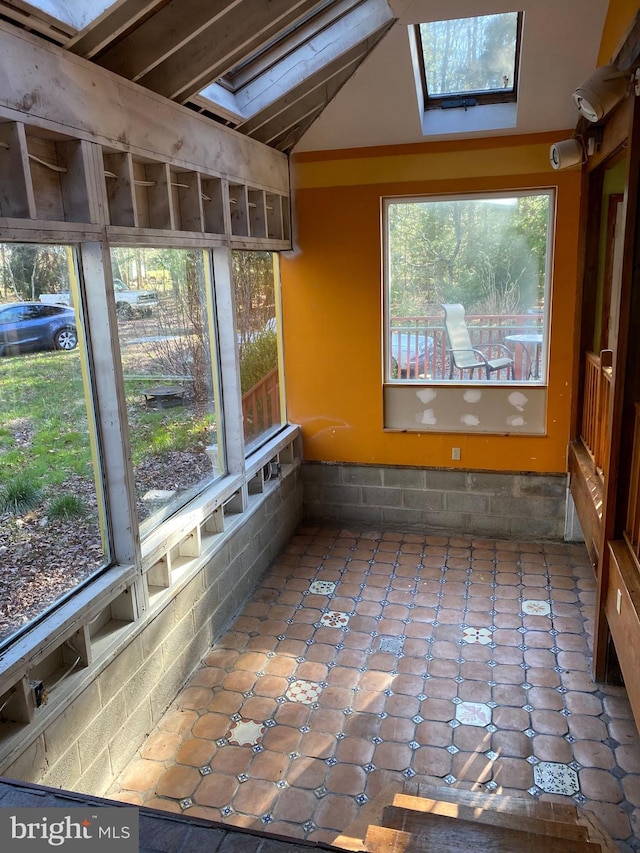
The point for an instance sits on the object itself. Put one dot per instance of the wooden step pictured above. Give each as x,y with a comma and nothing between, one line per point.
438,834
520,807
526,807
408,812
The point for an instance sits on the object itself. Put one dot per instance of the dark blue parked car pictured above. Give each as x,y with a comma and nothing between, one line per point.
34,326
410,354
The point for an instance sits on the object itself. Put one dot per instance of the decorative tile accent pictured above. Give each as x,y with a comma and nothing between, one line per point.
305,692
204,771
473,714
245,732
555,778
477,635
536,608
334,619
322,588
450,779
309,826
186,803
391,644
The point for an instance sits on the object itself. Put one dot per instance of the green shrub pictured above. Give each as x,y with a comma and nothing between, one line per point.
20,495
67,505
258,357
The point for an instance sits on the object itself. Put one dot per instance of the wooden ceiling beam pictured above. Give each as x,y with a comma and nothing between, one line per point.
162,34
292,111
221,45
199,34
316,90
261,63
364,21
111,25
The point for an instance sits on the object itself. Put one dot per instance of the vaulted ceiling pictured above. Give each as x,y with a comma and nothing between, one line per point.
272,69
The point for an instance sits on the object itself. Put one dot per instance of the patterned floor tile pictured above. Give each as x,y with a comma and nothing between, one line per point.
322,588
473,714
536,608
477,635
245,732
306,692
334,619
554,778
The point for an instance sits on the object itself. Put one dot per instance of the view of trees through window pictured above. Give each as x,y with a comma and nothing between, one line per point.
53,517
255,293
488,255
164,306
50,513
470,54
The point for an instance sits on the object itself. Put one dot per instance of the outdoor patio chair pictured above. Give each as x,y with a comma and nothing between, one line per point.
463,355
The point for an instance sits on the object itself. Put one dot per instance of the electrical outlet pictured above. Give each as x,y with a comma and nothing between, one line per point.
455,454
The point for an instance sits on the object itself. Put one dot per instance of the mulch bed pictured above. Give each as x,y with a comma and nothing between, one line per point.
42,558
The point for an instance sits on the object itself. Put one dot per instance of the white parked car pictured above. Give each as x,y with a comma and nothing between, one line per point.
129,303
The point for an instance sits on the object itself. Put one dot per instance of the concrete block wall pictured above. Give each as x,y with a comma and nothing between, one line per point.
91,741
475,503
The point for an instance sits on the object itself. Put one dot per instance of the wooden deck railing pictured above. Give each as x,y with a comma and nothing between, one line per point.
419,344
595,407
261,405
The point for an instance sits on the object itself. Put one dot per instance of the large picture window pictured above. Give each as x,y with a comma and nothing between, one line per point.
256,291
467,287
164,305
52,523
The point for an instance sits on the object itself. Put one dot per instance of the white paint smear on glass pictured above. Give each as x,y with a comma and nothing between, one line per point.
427,417
515,421
470,420
472,396
518,400
426,395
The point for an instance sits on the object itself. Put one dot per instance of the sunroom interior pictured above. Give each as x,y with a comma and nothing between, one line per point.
321,455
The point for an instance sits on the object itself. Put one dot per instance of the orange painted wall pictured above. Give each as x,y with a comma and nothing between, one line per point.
620,16
331,297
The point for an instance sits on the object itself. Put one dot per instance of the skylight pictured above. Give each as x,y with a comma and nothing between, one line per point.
77,13
467,61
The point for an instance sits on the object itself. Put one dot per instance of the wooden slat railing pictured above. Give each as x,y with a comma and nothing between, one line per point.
589,431
595,407
261,405
632,528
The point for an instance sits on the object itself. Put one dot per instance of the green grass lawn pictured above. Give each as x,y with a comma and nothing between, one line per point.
44,431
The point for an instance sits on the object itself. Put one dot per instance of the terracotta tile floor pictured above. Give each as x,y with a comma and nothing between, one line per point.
365,659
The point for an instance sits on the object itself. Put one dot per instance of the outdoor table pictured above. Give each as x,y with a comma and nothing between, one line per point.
163,396
533,339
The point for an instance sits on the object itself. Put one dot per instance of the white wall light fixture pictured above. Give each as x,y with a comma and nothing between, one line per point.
600,92
566,153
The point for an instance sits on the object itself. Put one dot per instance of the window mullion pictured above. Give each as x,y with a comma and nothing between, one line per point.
229,361
102,332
